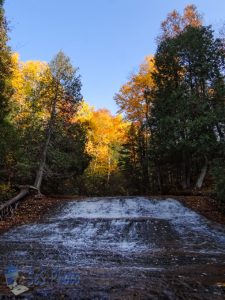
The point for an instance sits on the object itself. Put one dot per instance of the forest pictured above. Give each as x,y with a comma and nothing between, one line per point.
167,138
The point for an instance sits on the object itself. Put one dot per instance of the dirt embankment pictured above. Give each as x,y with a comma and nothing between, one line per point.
206,206
31,209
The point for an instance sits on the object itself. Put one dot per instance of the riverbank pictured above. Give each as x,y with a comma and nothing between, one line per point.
32,209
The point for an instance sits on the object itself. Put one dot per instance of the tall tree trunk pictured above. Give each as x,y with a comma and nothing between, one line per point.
202,175
221,135
159,180
109,172
40,172
186,176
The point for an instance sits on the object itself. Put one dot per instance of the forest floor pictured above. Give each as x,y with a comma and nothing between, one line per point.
31,209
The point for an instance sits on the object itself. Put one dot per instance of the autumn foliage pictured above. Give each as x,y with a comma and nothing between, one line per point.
168,135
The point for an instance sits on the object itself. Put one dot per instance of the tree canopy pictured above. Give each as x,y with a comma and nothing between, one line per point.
168,136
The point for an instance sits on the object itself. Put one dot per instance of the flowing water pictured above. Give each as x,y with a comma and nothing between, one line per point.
118,248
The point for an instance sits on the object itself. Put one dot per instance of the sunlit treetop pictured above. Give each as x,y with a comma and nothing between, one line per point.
131,97
175,22
84,113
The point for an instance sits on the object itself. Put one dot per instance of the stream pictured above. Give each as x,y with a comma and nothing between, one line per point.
117,248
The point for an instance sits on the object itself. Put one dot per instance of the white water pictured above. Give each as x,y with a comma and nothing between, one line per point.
119,226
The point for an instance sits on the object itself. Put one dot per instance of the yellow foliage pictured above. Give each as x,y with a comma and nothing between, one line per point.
132,96
106,134
85,112
26,77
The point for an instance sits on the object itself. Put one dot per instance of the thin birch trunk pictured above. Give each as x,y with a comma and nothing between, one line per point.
202,175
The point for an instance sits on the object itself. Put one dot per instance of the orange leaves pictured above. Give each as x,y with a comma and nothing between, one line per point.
191,16
175,22
131,97
105,134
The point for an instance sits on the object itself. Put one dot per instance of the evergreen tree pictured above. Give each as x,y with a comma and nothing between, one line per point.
62,94
8,138
188,111
5,67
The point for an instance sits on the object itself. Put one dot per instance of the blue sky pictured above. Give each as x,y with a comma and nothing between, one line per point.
106,39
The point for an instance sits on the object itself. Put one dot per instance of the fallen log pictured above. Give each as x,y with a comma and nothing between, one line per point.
9,206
